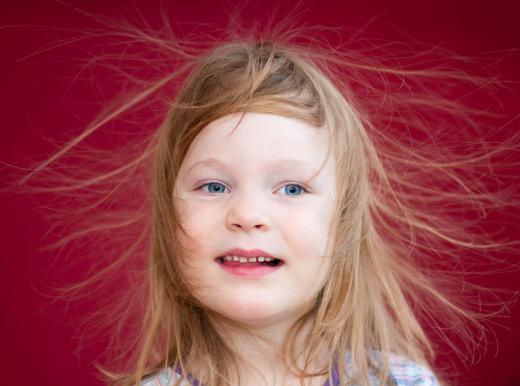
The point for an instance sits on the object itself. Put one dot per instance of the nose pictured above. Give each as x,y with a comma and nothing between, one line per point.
247,212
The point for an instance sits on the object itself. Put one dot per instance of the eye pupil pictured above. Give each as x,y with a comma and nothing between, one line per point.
213,184
293,188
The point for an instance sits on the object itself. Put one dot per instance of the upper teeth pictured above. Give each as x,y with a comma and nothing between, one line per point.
242,259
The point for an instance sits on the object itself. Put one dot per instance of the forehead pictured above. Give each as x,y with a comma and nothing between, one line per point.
259,138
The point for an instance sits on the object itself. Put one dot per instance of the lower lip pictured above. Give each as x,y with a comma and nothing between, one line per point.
241,269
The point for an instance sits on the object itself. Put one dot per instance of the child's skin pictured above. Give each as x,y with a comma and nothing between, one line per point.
253,203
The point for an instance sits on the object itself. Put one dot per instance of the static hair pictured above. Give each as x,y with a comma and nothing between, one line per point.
397,225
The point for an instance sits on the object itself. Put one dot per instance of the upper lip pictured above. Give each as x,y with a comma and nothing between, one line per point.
250,253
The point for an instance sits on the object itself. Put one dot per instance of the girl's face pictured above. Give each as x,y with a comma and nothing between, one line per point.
250,189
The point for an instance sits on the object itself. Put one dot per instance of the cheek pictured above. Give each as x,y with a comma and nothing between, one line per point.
307,240
193,248
306,230
196,220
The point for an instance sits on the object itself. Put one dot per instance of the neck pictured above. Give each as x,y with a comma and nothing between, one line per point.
260,354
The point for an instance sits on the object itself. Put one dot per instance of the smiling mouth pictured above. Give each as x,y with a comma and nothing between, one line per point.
249,262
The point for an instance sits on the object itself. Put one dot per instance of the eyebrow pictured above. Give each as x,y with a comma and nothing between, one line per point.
283,163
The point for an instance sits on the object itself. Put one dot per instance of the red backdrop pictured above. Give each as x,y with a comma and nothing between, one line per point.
38,346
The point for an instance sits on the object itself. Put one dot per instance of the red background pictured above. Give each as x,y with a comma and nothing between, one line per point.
38,346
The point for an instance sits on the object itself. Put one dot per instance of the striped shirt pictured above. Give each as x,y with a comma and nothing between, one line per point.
403,372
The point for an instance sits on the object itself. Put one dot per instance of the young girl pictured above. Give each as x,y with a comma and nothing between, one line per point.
267,267
293,229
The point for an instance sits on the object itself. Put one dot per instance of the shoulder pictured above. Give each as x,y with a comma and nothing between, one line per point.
405,372
165,377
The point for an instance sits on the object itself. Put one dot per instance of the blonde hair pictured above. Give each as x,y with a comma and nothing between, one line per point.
391,219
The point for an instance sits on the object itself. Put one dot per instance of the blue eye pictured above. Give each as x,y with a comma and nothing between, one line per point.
217,187
294,188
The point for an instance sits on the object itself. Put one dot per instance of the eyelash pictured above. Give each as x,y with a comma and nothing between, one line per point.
305,190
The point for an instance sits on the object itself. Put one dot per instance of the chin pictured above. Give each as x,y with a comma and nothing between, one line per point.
252,313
